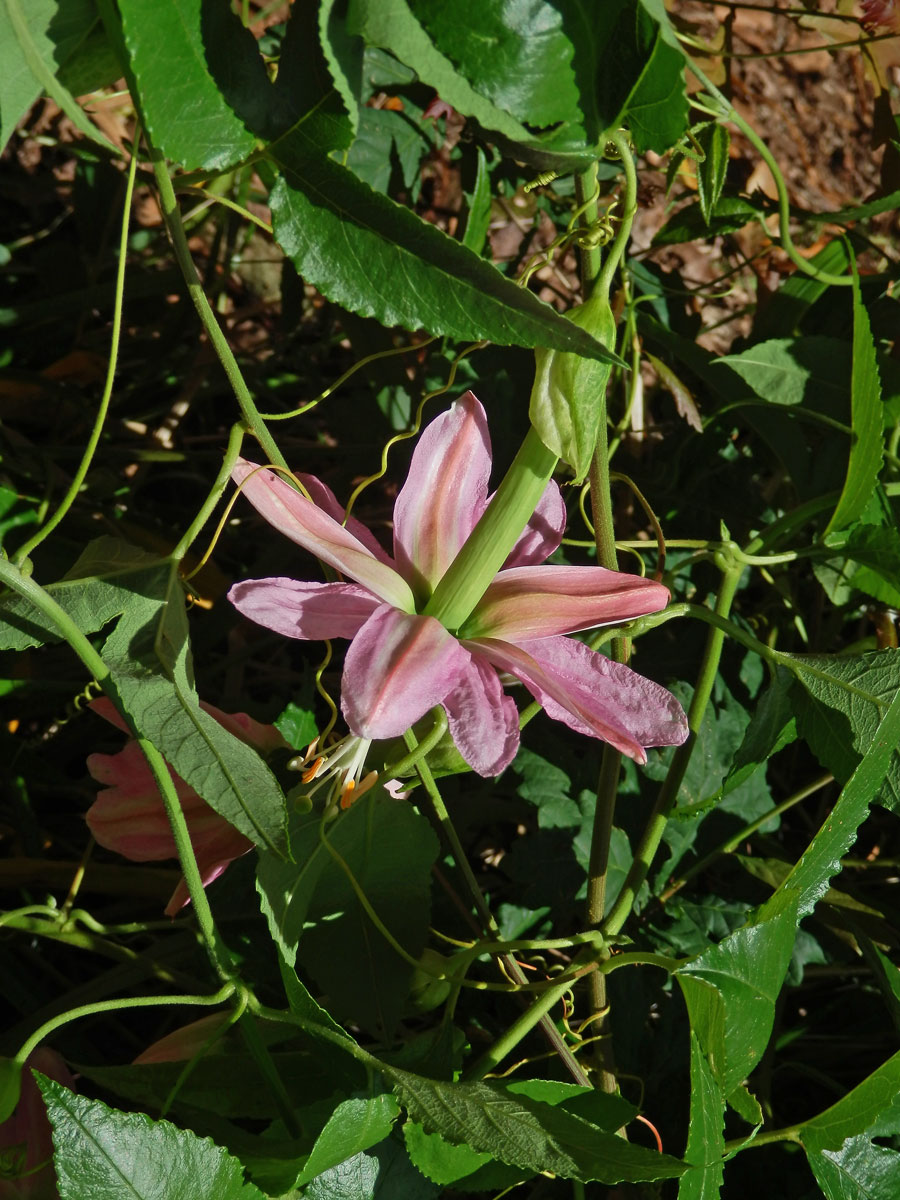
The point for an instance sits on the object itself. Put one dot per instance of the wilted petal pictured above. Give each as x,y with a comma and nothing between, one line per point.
544,531
307,525
26,1140
295,608
592,694
445,493
397,668
538,602
187,1041
484,723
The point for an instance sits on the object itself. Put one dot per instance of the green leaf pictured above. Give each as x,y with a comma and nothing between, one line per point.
733,1008
705,1149
856,1111
656,111
715,142
811,876
353,244
527,1133
41,39
106,1154
518,57
148,655
794,370
458,1166
383,1173
383,137
315,914
308,1075
60,33
730,214
860,1170
344,54
478,211
839,702
95,591
771,728
196,60
867,447
296,725
392,25
782,313
354,1126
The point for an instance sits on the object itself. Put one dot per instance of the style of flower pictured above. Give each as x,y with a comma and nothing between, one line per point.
401,663
26,1143
129,817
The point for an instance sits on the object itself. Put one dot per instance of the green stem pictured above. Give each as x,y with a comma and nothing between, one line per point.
668,793
488,545
105,1006
535,1014
87,458
403,766
69,631
172,216
513,969
263,1058
732,843
232,451
596,282
729,112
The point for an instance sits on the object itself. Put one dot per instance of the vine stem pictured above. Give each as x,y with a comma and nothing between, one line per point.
87,458
172,216
728,111
105,1006
596,280
513,969
69,631
668,793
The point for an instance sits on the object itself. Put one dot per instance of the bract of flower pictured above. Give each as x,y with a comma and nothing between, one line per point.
129,817
401,663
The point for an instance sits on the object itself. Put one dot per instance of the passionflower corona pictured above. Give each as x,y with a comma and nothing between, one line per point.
401,662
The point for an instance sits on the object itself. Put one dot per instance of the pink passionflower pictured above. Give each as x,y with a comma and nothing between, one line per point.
26,1142
128,816
878,15
401,663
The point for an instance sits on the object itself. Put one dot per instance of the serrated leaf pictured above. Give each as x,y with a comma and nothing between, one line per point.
104,1153
856,1111
95,591
860,1170
382,1173
811,876
706,1142
353,244
715,141
746,971
867,446
354,1126
344,54
312,906
519,57
458,1166
196,59
839,702
149,659
526,1133
392,25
